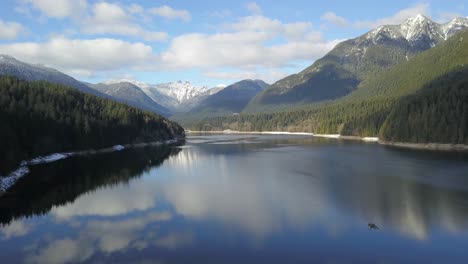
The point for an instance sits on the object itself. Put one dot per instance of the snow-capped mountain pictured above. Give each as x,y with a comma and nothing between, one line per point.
418,30
176,96
354,60
180,90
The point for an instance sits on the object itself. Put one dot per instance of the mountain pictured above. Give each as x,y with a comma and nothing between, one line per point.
13,67
341,71
420,100
131,94
195,101
177,96
40,118
181,91
437,113
233,98
229,100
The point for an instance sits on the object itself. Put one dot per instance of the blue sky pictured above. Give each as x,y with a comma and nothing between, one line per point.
206,42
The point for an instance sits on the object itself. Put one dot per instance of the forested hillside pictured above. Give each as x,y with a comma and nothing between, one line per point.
438,113
352,61
363,112
40,117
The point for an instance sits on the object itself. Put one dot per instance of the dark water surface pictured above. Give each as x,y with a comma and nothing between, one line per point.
242,199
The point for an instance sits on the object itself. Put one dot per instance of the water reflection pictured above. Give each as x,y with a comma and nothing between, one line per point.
60,183
223,193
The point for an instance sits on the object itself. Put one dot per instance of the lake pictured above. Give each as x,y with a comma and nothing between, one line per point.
242,199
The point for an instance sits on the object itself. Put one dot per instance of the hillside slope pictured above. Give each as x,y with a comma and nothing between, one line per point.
340,71
438,113
10,66
131,94
363,112
40,118
233,98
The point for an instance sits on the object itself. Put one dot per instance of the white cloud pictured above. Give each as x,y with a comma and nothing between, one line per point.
82,56
112,19
16,228
445,17
10,30
269,76
105,237
334,19
254,8
398,18
135,9
59,8
251,41
170,13
256,23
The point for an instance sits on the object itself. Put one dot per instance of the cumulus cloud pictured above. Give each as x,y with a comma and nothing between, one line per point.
105,236
398,18
112,19
334,19
82,56
254,8
269,76
171,13
135,9
10,30
16,228
247,43
445,17
59,8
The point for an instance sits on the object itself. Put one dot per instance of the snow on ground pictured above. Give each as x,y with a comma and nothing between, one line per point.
7,182
49,158
327,135
118,147
13,177
370,139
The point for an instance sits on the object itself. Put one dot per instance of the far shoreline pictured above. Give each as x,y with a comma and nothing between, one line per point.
405,145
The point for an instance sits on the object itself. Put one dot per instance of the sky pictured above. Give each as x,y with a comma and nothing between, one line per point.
209,43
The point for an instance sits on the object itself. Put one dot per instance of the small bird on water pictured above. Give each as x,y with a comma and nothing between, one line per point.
372,226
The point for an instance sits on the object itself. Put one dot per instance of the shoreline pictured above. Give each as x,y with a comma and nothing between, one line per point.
406,145
335,136
426,146
7,181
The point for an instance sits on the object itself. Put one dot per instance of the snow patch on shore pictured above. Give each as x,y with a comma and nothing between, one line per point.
118,147
48,159
13,177
328,135
371,139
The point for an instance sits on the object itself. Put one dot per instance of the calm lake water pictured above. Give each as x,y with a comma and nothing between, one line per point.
242,199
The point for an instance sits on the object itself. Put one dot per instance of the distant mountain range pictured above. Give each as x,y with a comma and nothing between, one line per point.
130,94
165,99
179,96
232,99
353,61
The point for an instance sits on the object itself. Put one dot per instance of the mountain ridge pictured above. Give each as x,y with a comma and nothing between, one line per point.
341,70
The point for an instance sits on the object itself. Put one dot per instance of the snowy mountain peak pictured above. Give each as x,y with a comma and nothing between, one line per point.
418,30
418,19
178,91
181,90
